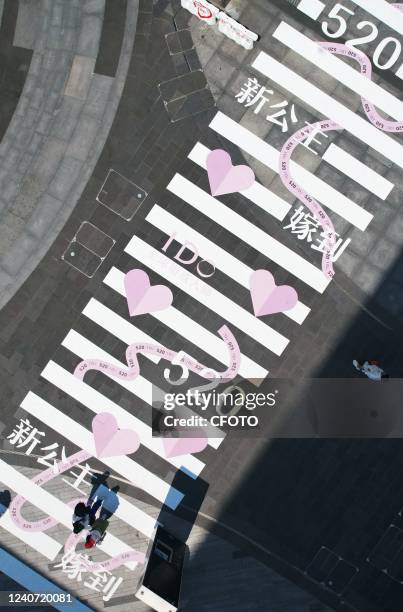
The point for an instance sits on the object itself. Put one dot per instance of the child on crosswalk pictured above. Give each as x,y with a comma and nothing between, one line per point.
97,533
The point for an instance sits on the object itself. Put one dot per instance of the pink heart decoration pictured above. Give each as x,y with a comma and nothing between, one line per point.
267,297
174,447
224,177
142,297
110,441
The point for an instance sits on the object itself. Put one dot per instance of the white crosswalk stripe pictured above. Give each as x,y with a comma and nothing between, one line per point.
312,8
223,260
118,326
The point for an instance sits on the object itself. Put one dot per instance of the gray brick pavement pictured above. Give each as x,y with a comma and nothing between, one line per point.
60,126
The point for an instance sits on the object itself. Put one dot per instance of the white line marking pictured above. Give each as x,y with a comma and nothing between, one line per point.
383,11
41,542
206,295
259,195
399,73
359,172
54,507
224,261
95,401
312,8
329,107
249,233
340,70
268,155
77,434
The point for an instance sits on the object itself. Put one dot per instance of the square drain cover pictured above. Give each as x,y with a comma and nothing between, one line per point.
88,249
120,195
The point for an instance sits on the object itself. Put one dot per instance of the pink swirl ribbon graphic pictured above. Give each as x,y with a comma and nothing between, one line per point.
49,522
109,564
180,358
285,155
304,197
41,479
77,458
366,69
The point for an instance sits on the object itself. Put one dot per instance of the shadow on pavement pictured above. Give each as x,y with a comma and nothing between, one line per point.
326,505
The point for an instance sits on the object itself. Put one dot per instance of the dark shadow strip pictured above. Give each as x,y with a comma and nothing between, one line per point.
14,65
113,29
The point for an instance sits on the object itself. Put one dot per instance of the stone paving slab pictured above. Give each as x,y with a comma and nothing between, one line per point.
80,77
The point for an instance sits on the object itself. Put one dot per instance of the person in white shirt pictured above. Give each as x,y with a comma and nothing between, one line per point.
104,498
371,369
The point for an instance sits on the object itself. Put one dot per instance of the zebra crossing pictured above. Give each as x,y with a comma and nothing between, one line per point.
322,102
214,300
51,505
343,72
269,156
248,232
227,263
210,300
191,330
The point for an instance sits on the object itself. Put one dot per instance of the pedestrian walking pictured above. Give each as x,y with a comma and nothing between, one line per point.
106,499
97,533
82,517
371,369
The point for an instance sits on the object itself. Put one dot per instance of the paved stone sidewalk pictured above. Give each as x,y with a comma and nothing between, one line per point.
59,129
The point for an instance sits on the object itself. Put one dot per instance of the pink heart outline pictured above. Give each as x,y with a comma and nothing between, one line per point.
224,177
142,297
269,298
110,441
